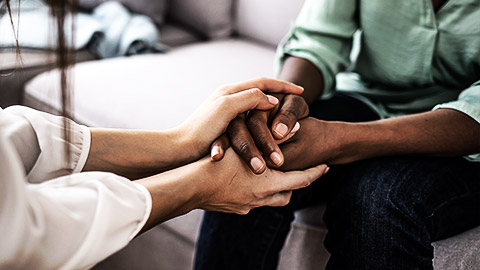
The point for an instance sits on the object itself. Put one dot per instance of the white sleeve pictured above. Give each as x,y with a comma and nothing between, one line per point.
39,137
71,222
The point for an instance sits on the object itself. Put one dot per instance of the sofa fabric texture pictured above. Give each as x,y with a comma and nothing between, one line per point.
210,18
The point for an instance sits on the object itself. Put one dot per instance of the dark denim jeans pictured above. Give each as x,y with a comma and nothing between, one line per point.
381,213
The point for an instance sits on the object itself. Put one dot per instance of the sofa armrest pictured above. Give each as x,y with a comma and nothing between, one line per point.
16,71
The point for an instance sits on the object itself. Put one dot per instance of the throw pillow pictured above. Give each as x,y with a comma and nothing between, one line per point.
155,9
210,18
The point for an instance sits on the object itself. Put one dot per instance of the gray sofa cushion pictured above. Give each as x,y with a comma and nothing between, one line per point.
146,89
461,252
174,35
275,21
210,18
154,9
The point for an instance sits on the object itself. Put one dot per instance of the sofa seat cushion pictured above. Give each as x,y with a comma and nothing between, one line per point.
152,91
459,252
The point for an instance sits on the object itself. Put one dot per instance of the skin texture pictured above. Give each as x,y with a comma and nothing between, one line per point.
341,143
428,133
172,166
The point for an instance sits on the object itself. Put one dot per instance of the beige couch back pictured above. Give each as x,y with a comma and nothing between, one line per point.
265,20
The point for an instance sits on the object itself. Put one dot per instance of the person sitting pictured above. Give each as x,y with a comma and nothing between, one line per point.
400,131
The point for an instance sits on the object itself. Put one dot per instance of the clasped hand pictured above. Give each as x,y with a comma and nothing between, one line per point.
228,185
273,138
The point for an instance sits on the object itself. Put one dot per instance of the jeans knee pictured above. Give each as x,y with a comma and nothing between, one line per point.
376,193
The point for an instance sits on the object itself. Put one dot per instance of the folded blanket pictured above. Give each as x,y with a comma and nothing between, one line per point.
109,31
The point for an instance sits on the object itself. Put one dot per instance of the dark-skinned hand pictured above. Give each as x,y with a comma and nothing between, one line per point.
314,143
256,136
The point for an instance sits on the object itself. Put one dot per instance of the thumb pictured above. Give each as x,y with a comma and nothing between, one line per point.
299,179
218,147
248,100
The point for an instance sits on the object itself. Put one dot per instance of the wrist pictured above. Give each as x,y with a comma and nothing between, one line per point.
343,142
365,140
186,145
304,73
173,193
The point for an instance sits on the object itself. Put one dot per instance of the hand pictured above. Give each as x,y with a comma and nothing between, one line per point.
246,135
226,186
232,187
315,143
212,118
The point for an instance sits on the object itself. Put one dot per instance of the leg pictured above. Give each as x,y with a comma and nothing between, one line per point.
254,241
387,212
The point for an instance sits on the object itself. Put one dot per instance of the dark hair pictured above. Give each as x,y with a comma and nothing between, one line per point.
65,56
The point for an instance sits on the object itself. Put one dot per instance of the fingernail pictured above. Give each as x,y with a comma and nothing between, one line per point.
256,164
281,129
215,151
273,100
295,128
276,158
326,170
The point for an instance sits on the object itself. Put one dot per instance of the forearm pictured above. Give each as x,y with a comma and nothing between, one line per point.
302,72
174,193
227,186
135,154
443,133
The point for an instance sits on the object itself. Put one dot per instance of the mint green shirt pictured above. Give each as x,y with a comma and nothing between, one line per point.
410,59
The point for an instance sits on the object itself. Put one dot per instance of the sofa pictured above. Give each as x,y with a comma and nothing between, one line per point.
158,91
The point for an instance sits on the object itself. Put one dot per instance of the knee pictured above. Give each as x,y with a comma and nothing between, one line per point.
376,193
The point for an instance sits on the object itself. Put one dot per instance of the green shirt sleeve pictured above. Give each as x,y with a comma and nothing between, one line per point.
468,102
322,34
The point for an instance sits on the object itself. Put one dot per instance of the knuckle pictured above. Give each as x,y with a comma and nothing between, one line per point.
236,128
263,79
301,104
243,147
308,180
223,103
297,103
264,195
224,87
256,116
256,93
267,145
306,183
290,113
257,128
